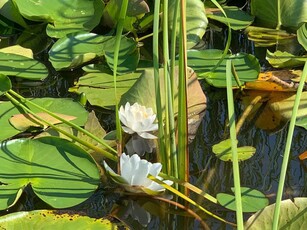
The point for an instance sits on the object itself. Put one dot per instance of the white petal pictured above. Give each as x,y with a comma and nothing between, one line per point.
140,173
127,130
107,167
147,135
126,168
155,169
155,187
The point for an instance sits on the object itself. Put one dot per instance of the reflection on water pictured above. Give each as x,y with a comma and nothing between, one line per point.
260,172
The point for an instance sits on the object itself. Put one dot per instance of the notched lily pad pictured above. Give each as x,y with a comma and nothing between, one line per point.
223,151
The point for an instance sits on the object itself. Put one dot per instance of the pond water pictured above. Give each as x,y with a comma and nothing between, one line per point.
260,172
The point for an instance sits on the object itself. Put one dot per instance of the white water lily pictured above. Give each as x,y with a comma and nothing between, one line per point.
138,119
134,172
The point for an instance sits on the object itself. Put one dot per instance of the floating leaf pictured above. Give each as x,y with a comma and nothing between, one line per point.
54,219
5,84
9,10
202,62
61,105
24,121
302,35
292,12
196,21
280,59
237,18
223,151
293,215
252,200
63,17
76,49
60,173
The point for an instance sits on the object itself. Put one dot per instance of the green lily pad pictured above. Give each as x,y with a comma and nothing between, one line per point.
9,10
237,18
54,219
223,151
5,84
302,35
22,66
59,172
280,59
246,66
196,21
292,12
76,49
63,17
64,106
293,216
252,200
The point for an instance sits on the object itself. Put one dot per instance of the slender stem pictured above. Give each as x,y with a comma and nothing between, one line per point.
235,161
157,79
278,15
145,37
119,31
287,149
96,149
26,101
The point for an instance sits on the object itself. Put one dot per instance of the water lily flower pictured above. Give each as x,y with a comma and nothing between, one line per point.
138,119
134,172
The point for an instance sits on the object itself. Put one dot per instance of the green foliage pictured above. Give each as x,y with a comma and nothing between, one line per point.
59,172
252,200
63,17
223,151
5,84
60,105
280,59
203,61
48,220
302,35
293,216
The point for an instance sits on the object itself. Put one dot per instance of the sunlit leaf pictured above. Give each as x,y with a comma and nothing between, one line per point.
54,219
196,21
302,35
203,61
9,10
237,18
24,121
252,200
5,84
60,173
292,12
63,17
223,151
59,105
280,59
293,215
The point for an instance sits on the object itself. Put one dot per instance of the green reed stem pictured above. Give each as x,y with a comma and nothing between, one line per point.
119,31
183,158
85,143
155,60
287,149
71,124
235,161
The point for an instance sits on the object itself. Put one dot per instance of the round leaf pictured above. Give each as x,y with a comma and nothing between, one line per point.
49,220
223,151
252,200
60,173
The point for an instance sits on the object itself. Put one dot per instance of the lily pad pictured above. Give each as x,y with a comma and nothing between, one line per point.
24,121
63,17
293,216
9,10
223,151
252,200
60,173
302,35
76,49
292,12
280,59
22,66
203,62
54,219
237,18
5,84
196,21
63,106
